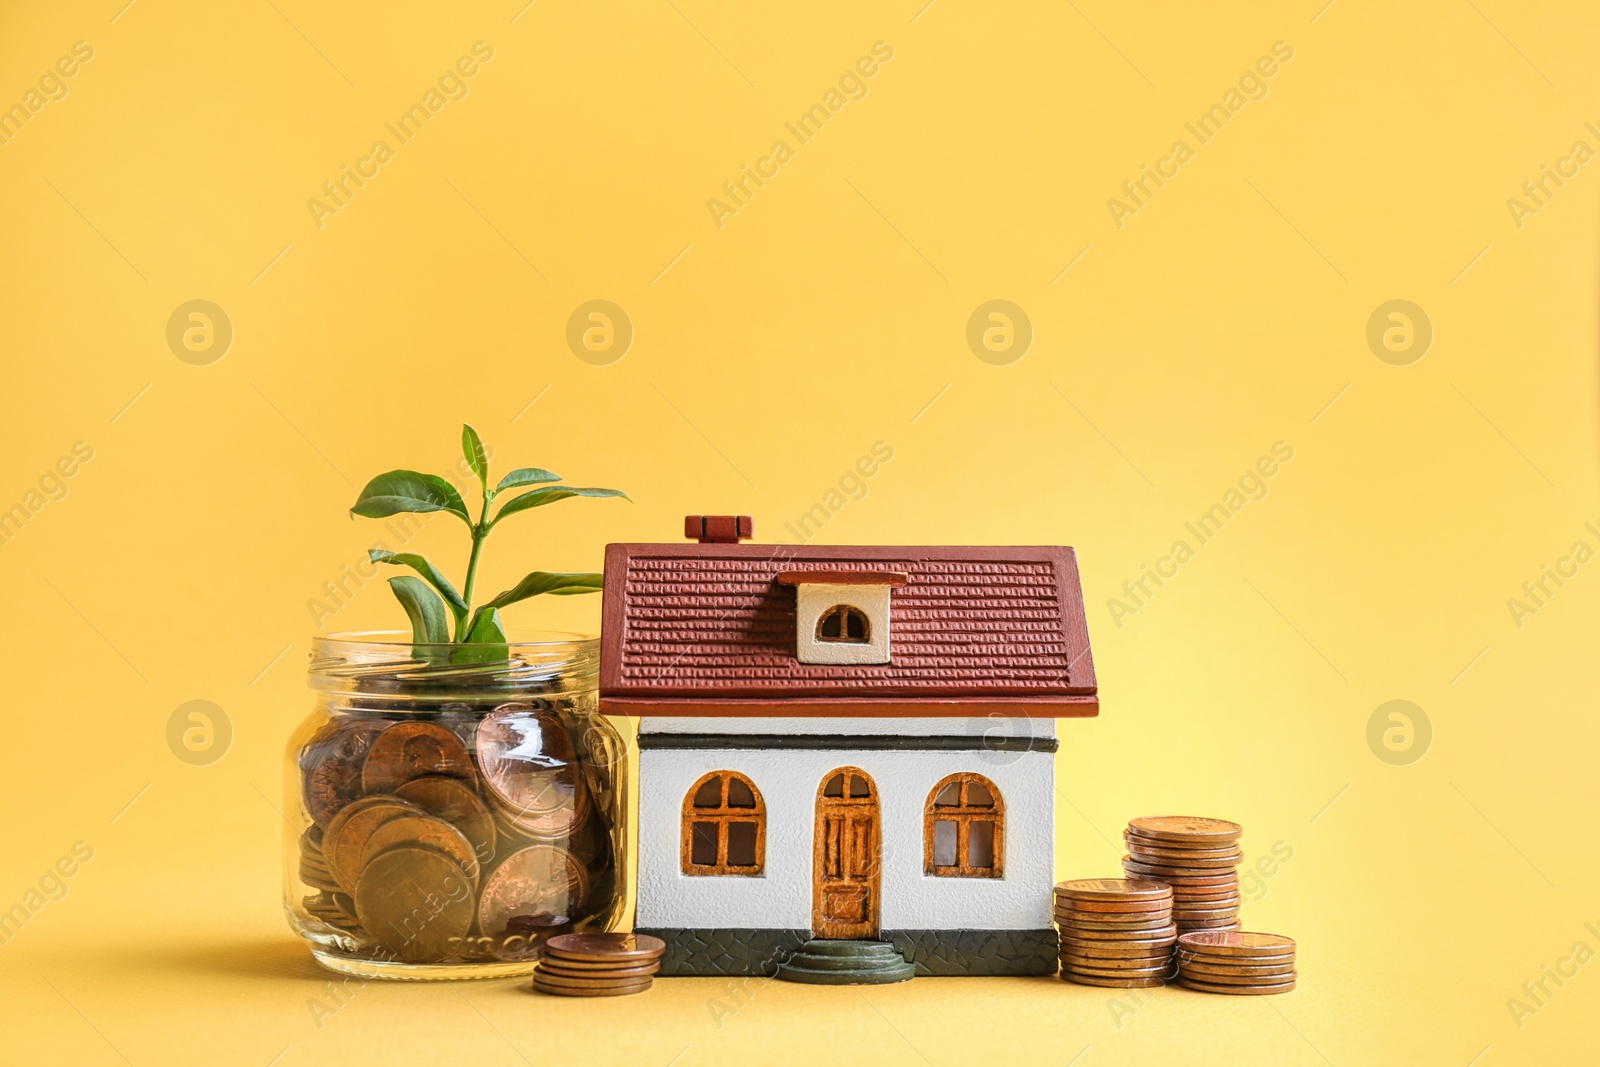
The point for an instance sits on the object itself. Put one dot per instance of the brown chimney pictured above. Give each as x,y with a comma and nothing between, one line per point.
717,529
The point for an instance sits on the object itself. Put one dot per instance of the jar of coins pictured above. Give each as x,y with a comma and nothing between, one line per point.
452,807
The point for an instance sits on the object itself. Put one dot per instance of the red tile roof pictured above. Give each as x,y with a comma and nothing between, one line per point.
703,629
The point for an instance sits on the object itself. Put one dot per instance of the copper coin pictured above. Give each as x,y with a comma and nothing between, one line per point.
1112,983
557,967
330,765
1234,990
604,947
1180,856
1118,968
1132,918
1133,930
345,844
410,750
1234,964
1079,932
455,802
423,831
1112,907
415,903
1118,949
1179,877
1112,889
1205,865
1222,926
530,770
1117,963
350,811
1186,828
543,985
537,881
1260,978
1202,893
1205,911
1237,944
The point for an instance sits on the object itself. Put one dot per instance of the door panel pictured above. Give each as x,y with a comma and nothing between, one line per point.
847,848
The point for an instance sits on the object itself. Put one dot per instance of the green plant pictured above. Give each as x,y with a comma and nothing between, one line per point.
431,609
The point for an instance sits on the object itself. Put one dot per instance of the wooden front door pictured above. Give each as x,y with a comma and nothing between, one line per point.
848,848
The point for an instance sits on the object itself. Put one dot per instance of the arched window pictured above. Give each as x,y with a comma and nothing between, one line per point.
964,829
724,826
844,623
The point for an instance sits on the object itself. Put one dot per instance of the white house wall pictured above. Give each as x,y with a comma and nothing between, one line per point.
788,780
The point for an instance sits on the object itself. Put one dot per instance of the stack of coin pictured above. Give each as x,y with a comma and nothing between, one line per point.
598,965
1236,962
1199,858
1115,931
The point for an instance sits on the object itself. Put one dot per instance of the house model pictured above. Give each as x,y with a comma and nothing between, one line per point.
846,754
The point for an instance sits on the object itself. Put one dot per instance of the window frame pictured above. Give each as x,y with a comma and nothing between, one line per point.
964,815
722,815
845,611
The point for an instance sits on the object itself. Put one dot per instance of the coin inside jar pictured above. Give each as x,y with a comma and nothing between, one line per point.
423,831
455,802
416,903
530,771
343,845
330,765
410,750
534,882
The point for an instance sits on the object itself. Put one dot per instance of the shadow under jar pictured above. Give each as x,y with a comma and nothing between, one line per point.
451,812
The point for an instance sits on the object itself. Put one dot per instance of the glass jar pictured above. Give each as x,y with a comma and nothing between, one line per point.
451,807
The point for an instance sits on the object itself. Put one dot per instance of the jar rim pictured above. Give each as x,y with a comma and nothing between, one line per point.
518,639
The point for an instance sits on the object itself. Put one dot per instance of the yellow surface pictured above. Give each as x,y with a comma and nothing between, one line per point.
828,313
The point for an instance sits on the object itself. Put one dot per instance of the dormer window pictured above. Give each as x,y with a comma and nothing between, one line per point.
842,616
844,623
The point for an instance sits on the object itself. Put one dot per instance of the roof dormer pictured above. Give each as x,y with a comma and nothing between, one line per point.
842,617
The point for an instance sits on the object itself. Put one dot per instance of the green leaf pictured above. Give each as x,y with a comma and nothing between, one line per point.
536,498
409,491
526,476
428,623
485,641
420,564
545,582
472,448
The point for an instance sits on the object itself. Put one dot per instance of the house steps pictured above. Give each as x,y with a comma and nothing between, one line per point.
830,962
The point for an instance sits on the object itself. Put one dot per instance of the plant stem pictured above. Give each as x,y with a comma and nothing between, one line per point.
480,532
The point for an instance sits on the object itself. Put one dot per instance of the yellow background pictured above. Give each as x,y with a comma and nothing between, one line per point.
769,354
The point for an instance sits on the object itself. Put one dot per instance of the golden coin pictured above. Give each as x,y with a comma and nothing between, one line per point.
350,811
543,985
410,750
530,770
1118,949
1237,944
423,831
540,884
1078,932
415,903
601,947
1112,983
1187,828
1234,990
1112,889
591,970
330,765
347,838
455,802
